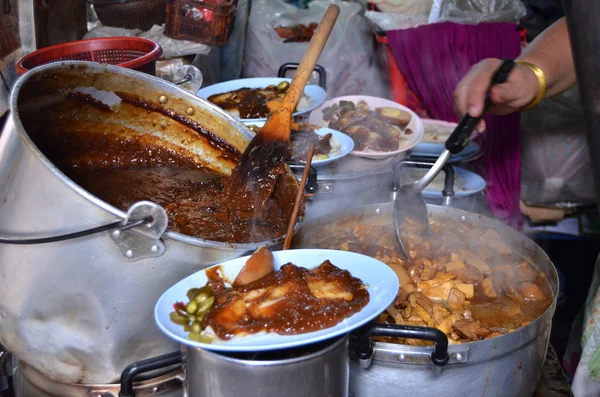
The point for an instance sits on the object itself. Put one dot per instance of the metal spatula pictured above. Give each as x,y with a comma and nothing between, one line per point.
409,202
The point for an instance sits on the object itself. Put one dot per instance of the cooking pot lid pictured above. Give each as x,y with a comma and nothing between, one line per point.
380,280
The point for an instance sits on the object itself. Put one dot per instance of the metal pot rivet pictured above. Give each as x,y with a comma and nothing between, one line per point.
154,248
459,357
117,233
129,253
402,357
463,218
190,111
163,99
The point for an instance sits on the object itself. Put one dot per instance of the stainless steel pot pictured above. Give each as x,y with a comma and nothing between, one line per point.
509,365
320,370
80,310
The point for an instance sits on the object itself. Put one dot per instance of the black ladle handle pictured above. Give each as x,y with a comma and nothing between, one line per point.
461,134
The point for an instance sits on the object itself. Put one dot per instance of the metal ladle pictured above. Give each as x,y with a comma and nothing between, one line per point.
409,202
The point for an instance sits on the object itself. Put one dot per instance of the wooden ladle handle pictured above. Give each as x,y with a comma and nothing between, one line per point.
309,60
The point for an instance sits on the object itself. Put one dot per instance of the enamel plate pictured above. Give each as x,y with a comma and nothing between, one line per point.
434,142
341,143
415,124
381,282
466,183
315,94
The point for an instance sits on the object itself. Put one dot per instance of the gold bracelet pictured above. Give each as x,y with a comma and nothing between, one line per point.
541,78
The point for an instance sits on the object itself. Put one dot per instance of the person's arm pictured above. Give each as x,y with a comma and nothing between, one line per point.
550,51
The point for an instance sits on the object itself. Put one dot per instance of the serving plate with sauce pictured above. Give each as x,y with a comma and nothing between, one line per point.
379,279
314,94
342,145
413,130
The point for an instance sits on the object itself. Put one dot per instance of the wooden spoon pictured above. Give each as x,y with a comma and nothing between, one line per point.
261,262
253,181
290,232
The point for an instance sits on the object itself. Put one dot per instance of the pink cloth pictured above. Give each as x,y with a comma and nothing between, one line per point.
433,59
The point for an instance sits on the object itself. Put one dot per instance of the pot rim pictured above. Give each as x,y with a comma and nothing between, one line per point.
160,84
272,363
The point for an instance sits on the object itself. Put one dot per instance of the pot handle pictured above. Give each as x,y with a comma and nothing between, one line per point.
364,344
294,65
144,366
312,185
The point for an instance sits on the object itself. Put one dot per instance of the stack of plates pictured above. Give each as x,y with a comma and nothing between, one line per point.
433,143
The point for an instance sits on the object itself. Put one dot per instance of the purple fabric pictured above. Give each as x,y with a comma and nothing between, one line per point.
433,59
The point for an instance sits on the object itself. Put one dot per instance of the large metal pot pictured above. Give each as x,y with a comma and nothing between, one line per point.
80,310
509,365
318,370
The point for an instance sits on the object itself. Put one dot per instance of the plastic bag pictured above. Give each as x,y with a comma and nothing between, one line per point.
555,164
180,72
388,21
404,7
477,11
171,48
174,48
348,58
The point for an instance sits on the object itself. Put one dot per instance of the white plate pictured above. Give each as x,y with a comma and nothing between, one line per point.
339,140
316,95
380,279
434,150
437,131
316,117
466,183
434,141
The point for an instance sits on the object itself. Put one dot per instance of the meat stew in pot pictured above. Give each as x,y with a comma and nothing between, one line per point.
462,280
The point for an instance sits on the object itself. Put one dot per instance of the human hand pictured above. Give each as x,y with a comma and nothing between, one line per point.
519,90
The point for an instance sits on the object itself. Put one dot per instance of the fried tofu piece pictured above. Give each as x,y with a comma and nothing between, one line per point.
439,280
456,299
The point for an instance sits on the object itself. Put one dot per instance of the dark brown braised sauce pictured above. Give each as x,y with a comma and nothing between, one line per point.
250,103
123,167
462,280
302,136
289,301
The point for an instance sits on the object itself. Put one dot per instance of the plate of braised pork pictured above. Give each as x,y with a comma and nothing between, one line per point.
379,127
330,145
276,300
253,99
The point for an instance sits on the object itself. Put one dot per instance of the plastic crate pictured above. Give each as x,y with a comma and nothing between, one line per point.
208,22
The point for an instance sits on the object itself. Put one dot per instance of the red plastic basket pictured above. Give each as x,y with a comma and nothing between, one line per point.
128,52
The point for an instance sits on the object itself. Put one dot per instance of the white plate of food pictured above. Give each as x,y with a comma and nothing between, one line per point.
436,132
379,127
466,183
330,145
301,302
249,104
